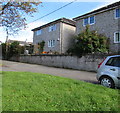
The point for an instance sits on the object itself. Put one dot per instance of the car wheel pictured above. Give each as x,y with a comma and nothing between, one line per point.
107,82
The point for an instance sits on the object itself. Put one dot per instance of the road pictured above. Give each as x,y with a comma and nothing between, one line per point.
68,73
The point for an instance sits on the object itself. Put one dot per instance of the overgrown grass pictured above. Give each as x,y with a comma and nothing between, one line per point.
24,91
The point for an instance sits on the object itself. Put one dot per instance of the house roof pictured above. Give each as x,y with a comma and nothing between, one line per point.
98,10
63,20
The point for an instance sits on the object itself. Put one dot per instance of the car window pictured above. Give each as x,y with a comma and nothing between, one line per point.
115,61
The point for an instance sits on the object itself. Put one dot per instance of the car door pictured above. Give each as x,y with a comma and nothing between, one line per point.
113,66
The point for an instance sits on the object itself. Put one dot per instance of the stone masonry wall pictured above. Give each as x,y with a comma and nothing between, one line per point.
87,63
106,24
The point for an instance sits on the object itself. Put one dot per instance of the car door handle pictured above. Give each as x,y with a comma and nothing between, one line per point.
112,69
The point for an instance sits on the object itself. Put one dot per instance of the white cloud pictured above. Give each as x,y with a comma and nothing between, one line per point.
2,34
100,6
23,34
27,33
104,4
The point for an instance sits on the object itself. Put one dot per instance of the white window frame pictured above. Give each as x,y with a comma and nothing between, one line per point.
93,22
115,37
38,32
84,21
52,28
51,43
116,13
88,21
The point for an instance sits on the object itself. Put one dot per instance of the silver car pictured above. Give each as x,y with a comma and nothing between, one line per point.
108,72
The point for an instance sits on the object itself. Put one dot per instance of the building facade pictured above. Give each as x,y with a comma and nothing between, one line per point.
57,35
106,21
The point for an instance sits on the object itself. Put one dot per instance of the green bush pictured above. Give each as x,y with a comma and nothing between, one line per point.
89,42
41,46
13,49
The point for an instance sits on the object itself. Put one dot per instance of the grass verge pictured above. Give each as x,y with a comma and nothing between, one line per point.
25,91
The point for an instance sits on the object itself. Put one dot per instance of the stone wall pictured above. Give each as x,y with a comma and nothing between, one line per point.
106,24
87,62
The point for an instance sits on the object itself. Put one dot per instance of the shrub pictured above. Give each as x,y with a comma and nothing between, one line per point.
41,46
13,49
89,42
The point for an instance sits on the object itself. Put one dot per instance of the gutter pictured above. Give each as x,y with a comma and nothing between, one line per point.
85,15
61,31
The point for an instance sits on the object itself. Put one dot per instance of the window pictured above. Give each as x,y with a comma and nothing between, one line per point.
86,21
38,32
51,43
52,28
117,37
92,20
117,13
89,20
115,61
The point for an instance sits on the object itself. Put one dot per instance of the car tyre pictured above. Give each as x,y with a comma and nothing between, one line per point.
107,82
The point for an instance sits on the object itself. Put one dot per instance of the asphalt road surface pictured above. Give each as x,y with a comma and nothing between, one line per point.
68,73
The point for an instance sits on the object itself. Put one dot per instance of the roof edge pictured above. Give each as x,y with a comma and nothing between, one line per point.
100,10
64,20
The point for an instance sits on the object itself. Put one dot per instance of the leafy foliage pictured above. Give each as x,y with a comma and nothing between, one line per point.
41,46
3,50
12,14
29,48
88,42
13,49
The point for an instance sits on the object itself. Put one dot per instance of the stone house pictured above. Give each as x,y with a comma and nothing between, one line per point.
57,35
106,21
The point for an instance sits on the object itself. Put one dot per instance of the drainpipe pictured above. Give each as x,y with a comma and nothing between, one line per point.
61,27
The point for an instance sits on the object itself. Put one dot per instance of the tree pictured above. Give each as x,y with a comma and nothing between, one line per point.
14,49
41,46
3,50
88,42
12,15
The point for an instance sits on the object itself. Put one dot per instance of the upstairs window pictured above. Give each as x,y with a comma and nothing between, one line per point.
92,20
86,22
52,28
117,37
117,13
89,20
38,32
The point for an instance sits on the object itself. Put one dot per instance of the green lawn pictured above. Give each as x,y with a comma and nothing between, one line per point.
25,91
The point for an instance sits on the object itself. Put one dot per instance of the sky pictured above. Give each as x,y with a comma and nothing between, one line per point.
77,8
